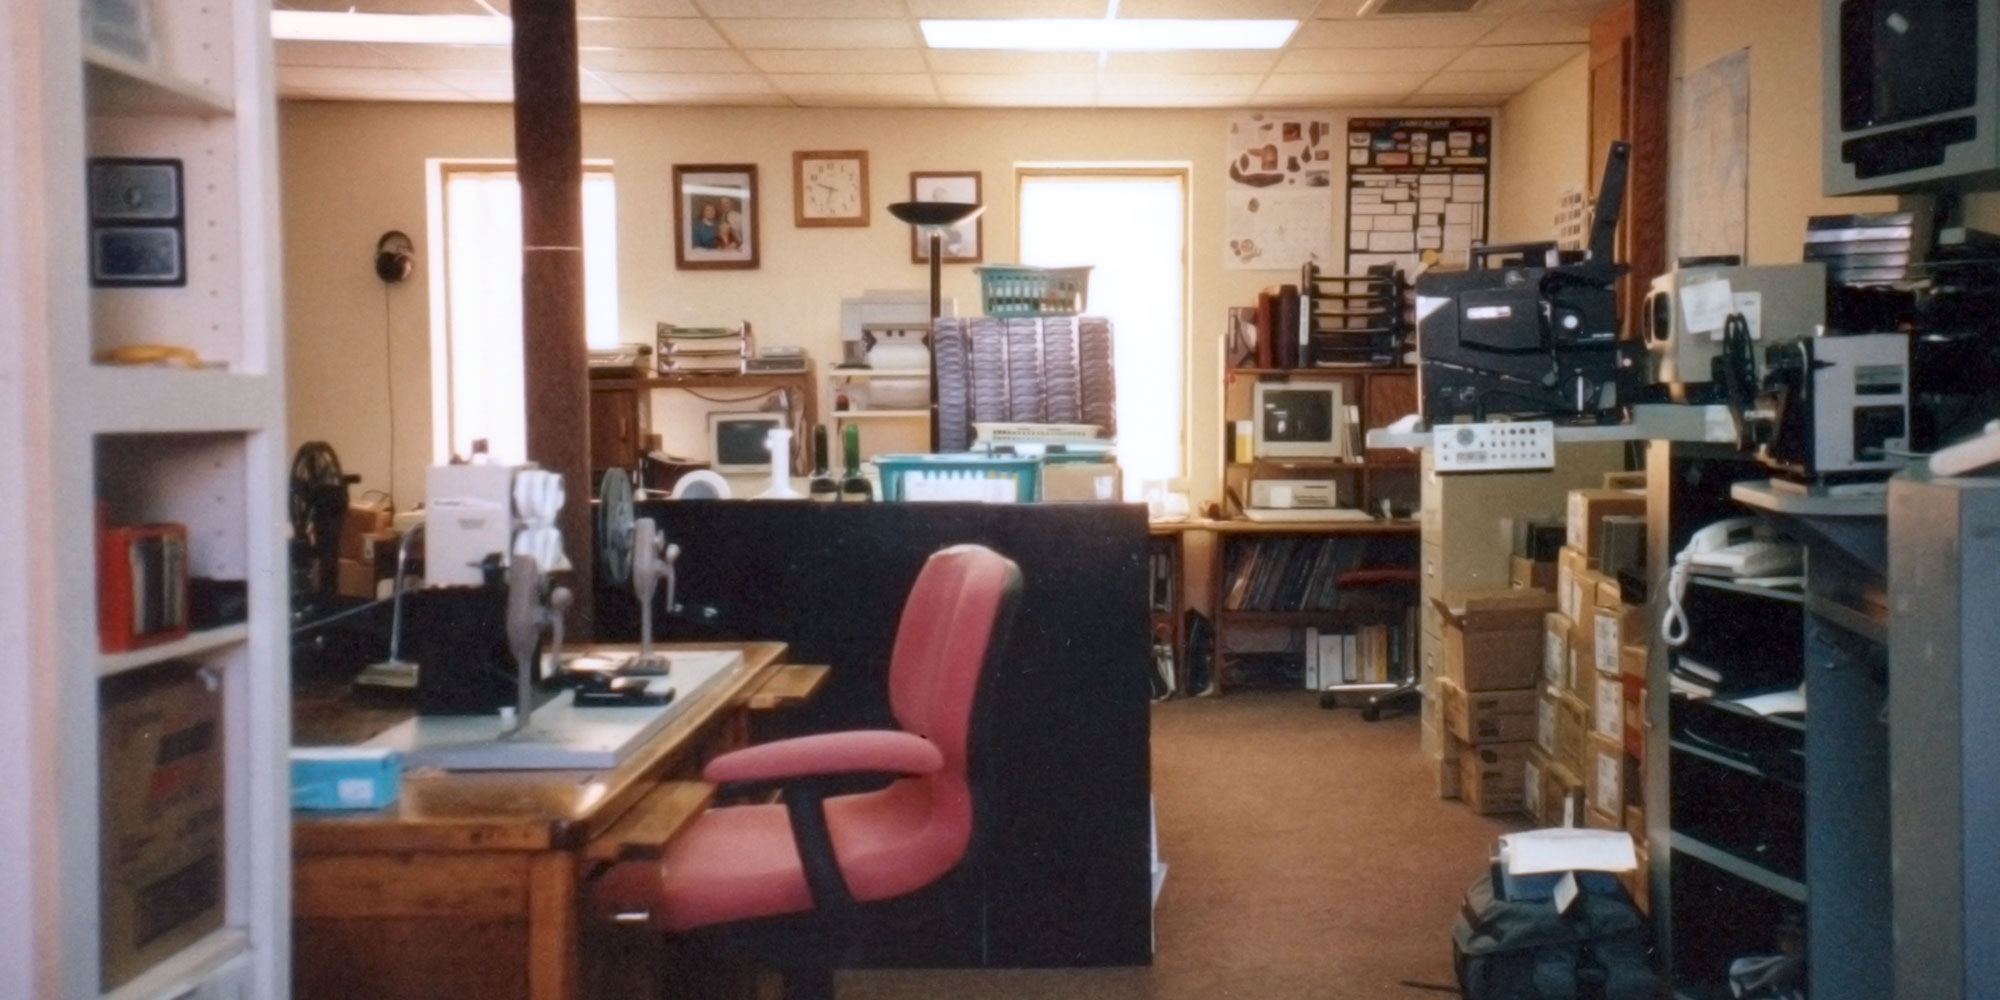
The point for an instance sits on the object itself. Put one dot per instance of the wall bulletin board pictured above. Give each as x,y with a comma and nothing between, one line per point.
1417,190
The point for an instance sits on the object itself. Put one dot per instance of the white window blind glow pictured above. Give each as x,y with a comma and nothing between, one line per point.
480,393
1132,230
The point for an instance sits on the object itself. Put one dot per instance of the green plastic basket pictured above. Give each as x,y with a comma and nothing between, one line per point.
967,477
1012,290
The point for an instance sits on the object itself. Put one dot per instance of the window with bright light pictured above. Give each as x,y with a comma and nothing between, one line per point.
1132,229
477,378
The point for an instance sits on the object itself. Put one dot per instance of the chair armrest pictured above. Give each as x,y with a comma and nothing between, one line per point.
863,751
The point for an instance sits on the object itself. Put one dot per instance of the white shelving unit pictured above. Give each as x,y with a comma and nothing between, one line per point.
897,429
202,448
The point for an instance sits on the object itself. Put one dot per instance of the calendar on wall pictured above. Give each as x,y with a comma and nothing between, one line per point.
1417,190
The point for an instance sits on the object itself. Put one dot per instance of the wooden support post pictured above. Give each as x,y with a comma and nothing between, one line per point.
548,152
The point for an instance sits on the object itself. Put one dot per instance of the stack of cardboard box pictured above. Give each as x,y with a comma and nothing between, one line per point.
1587,762
1492,657
365,533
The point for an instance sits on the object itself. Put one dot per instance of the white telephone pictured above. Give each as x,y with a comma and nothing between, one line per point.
1742,547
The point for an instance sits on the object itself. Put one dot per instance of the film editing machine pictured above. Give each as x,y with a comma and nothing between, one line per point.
491,692
1530,330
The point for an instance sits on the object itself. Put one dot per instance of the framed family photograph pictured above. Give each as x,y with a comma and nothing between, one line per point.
715,216
963,243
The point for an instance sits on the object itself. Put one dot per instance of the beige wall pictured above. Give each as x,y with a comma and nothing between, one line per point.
351,171
1784,41
1541,151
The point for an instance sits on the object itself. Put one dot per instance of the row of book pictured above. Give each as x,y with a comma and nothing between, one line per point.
1366,655
703,349
1288,574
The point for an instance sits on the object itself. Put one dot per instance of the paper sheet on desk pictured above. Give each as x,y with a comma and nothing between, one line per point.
1560,849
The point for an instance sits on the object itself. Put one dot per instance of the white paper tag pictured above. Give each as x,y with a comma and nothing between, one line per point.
1705,306
1565,892
1751,305
354,791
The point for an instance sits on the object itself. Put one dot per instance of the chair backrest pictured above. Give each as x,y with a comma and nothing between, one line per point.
951,623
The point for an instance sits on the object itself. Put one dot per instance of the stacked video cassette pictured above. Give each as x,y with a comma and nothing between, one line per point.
1097,384
1025,402
952,368
1062,386
988,353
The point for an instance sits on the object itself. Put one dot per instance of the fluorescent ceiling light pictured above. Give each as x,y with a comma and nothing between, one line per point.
1106,34
347,26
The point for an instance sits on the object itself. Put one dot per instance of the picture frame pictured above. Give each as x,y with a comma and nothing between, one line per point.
137,223
829,188
716,216
964,243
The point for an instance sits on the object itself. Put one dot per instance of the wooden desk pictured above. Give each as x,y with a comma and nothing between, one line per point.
469,886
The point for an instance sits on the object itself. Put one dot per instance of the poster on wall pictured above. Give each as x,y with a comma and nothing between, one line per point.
1417,190
1278,202
1714,146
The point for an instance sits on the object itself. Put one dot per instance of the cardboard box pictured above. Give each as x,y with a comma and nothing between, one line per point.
1639,881
1493,638
1578,676
1555,647
1447,767
1606,774
356,578
1632,660
1589,508
1634,480
160,778
364,518
1534,786
1569,562
1637,725
1080,482
1479,717
1597,820
1621,546
1607,708
1615,627
1635,824
1560,794
1572,733
1523,573
1490,777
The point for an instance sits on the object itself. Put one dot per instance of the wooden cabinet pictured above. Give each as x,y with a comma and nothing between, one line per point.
617,427
621,410
1378,396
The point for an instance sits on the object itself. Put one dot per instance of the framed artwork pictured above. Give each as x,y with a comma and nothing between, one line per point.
830,188
963,243
137,224
715,216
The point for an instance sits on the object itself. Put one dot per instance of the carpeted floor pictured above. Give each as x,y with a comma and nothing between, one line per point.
1309,856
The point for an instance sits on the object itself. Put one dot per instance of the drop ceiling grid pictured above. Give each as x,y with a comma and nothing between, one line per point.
1528,38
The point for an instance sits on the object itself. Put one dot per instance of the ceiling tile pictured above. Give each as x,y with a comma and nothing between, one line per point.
793,8
648,33
1502,82
1299,9
982,61
664,61
1016,84
1165,84
1470,102
1335,84
353,54
487,57
1190,62
1007,8
1531,29
623,8
715,100
869,84
1105,100
1020,100
838,60
489,85
645,85
1535,58
862,101
1390,32
1365,60
816,33
323,79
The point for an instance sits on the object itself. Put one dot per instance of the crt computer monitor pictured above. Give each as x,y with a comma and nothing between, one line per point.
736,440
1299,421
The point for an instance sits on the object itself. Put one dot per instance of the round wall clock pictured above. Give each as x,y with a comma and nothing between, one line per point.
830,188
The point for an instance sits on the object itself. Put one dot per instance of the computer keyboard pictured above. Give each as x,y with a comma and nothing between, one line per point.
1292,514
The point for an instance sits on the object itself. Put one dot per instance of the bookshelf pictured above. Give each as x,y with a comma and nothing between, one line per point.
203,447
1380,396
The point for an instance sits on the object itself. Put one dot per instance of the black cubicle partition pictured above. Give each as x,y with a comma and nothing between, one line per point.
1064,877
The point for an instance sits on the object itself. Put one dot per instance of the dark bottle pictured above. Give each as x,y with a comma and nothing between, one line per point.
822,486
854,485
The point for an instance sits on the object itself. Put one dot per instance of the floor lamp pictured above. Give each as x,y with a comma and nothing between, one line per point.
932,219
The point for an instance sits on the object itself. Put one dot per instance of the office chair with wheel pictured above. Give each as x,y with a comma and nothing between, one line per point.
790,882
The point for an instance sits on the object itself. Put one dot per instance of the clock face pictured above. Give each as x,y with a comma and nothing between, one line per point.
832,189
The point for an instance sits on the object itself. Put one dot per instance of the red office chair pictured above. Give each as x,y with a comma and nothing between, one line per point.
785,880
